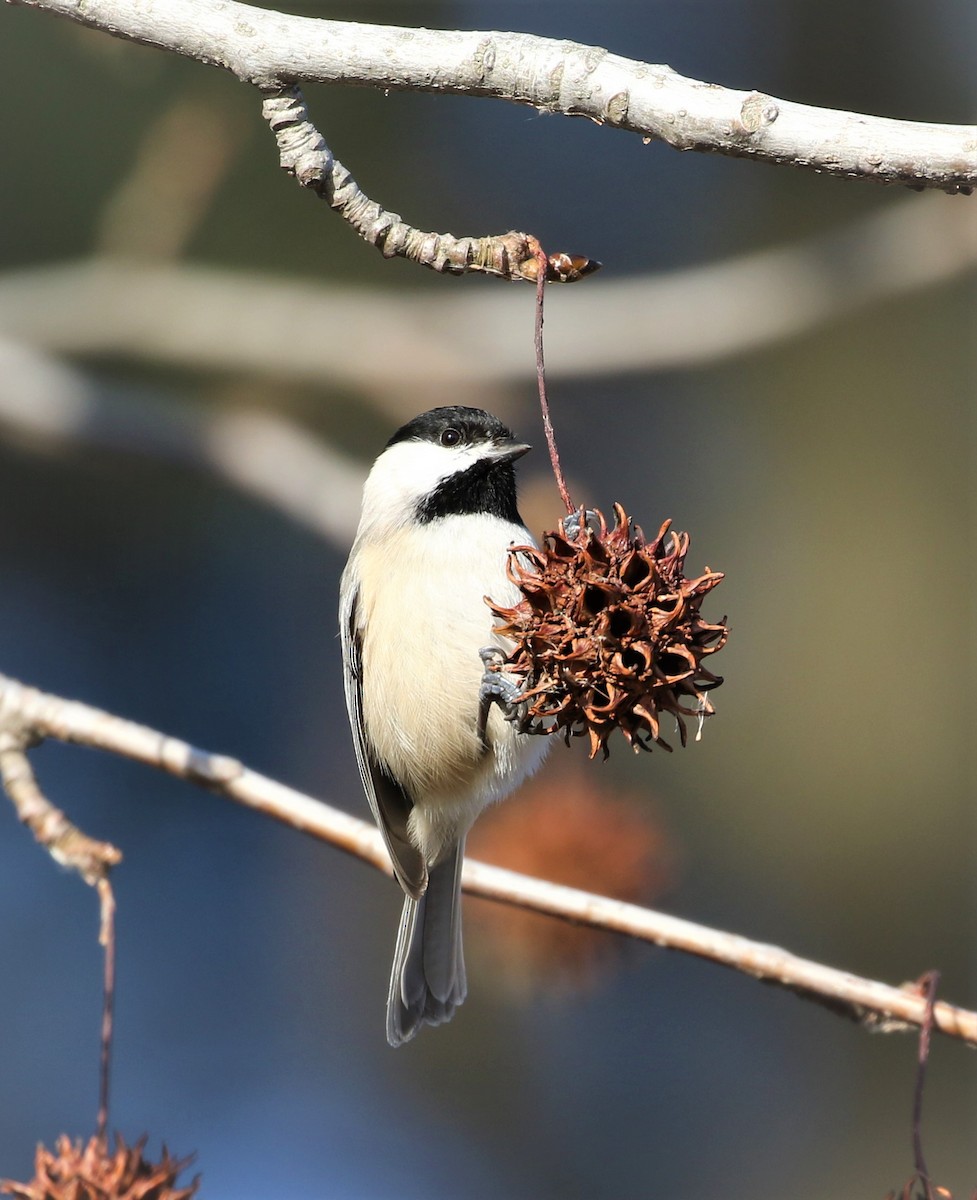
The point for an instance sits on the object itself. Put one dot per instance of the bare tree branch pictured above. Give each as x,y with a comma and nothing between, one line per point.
273,50
434,343
875,1004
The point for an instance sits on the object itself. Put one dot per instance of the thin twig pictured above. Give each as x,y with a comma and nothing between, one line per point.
927,986
107,940
544,405
272,49
877,1005
304,154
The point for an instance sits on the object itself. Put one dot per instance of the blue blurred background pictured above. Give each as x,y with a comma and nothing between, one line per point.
830,474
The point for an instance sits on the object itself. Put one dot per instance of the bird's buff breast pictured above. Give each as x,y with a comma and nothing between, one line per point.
420,705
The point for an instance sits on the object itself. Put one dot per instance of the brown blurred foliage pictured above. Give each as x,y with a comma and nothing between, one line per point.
571,829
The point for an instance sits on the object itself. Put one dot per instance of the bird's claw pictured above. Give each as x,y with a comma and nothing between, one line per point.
499,689
572,524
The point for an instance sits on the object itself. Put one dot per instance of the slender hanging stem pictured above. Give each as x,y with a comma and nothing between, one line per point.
928,985
107,938
561,483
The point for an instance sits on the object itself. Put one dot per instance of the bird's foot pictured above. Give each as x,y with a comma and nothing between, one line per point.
572,523
497,688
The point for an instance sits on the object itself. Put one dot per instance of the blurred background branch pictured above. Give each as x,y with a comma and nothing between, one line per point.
190,316
45,403
201,317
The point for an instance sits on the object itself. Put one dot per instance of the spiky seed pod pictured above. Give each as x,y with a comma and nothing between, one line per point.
609,634
74,1171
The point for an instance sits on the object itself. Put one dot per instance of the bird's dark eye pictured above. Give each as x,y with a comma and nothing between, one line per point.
450,437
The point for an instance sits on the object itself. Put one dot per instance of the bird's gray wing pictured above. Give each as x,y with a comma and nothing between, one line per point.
390,804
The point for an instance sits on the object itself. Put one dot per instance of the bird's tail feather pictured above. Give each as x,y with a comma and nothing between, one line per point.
428,979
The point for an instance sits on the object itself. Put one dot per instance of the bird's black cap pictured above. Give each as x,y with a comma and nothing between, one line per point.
487,485
473,424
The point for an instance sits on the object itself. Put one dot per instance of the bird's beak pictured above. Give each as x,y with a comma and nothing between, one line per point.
509,451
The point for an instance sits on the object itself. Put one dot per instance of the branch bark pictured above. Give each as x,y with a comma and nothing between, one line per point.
878,1005
273,50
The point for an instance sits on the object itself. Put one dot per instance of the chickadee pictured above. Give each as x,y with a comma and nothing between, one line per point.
439,514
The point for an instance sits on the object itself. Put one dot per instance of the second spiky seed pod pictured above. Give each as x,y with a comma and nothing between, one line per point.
92,1170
